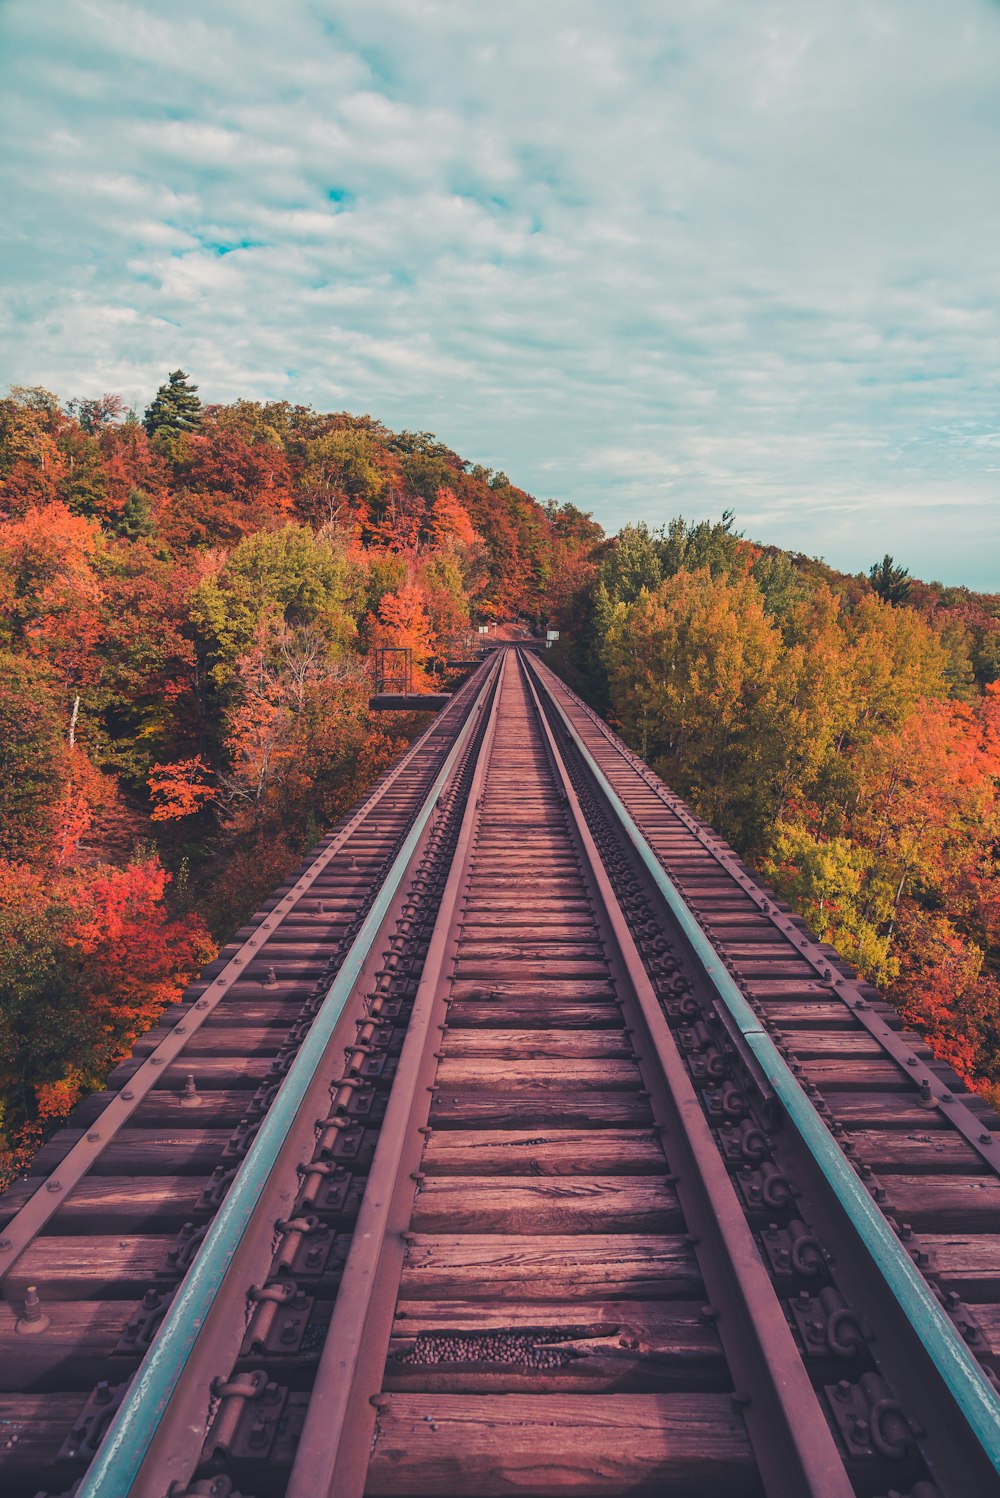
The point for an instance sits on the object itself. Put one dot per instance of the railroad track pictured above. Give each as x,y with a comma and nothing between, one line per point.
524,1143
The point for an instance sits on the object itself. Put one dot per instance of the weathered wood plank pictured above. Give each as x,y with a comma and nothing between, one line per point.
221,1106
530,925
145,1151
503,966
879,1110
808,1014
117,1203
225,1040
510,948
498,907
862,1072
967,1262
531,987
809,1045
450,1346
945,1203
550,1204
451,1108
533,1076
988,1317
96,1267
550,1152
791,988
234,1072
623,1266
527,1045
531,1012
551,1445
80,1334
32,1429
909,1152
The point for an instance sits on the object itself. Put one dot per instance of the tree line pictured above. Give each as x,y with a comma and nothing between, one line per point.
842,732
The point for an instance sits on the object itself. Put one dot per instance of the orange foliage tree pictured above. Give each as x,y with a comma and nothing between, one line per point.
180,789
403,621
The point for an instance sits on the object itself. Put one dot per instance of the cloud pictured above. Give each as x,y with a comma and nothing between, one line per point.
645,258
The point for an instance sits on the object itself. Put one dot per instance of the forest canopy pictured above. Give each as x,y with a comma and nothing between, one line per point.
189,600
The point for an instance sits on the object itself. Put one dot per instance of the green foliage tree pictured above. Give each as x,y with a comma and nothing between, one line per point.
175,407
705,543
273,579
633,563
41,1019
30,761
136,520
697,682
890,582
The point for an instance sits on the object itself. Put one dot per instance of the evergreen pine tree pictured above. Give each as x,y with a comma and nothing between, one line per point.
889,581
175,407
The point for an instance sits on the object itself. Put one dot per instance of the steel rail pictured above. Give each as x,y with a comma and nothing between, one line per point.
792,1442
955,1364
123,1452
845,989
53,1189
333,1449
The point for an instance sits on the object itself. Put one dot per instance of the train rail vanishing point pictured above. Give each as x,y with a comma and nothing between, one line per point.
523,1142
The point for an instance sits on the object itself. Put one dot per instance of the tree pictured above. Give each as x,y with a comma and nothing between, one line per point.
890,582
403,621
273,578
31,462
174,408
343,476
31,763
701,687
115,913
179,790
97,412
449,521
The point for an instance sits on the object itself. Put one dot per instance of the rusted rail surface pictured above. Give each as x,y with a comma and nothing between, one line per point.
551,1229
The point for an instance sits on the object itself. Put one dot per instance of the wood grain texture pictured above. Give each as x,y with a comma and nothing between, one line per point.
535,1045
531,1075
553,1204
547,1152
551,1445
530,1267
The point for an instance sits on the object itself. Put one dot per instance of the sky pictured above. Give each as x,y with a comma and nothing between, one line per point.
654,258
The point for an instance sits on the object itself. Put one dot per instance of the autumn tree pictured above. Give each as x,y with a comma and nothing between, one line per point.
403,621
94,413
50,594
344,477
32,464
449,522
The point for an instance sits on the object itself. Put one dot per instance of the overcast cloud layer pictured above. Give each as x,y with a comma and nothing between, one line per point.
662,256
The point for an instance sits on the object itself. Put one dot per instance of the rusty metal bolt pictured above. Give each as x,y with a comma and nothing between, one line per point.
190,1097
32,1319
